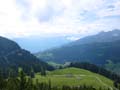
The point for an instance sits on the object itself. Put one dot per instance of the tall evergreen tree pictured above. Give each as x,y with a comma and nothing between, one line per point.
22,80
32,73
43,71
2,81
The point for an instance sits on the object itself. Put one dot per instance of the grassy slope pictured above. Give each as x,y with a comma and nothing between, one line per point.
75,77
54,64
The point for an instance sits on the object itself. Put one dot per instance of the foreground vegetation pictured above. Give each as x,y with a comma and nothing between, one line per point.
69,78
62,79
75,77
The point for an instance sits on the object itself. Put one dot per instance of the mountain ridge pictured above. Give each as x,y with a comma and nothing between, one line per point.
12,56
99,49
100,37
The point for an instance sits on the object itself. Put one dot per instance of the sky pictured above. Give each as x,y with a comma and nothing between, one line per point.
54,18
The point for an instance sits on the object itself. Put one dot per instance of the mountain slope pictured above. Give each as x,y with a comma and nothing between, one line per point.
7,46
13,57
100,37
95,51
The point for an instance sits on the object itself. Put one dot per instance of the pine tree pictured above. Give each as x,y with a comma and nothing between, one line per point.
43,71
32,73
49,85
22,80
12,84
30,85
2,82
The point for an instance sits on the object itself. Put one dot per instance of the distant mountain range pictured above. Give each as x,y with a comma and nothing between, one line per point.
98,49
36,43
12,56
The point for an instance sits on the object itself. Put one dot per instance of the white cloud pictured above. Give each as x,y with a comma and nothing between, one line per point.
73,38
113,11
23,18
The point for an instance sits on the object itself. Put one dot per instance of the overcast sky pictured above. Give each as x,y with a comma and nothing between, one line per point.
25,18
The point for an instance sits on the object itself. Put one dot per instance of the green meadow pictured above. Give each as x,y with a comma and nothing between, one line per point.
74,77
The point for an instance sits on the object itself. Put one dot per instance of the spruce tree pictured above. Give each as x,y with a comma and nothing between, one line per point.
43,71
2,81
22,80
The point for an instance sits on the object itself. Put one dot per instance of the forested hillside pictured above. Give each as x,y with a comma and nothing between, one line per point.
12,57
101,49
